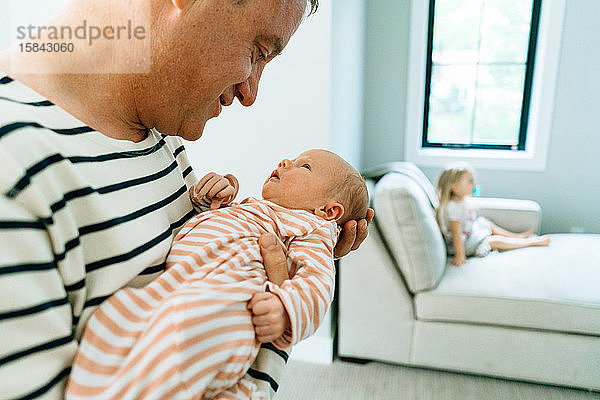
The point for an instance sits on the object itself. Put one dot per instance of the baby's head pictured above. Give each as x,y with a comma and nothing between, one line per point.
321,182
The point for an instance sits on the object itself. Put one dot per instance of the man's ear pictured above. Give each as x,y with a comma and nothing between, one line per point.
332,211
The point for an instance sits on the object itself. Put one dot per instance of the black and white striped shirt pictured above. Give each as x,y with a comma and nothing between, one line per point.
81,215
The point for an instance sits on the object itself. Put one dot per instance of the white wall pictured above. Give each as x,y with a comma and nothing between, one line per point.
347,74
23,13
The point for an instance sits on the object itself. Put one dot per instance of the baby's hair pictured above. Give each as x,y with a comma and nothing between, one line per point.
356,197
353,194
449,176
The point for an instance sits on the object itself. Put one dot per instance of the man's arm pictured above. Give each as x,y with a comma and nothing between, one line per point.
37,344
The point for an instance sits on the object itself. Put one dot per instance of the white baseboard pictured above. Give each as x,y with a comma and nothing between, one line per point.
316,350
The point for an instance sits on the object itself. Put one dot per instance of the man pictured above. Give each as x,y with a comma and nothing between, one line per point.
92,193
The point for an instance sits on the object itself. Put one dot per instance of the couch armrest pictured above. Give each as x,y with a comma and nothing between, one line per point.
511,214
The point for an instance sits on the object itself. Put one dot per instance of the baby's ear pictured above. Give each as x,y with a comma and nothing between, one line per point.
332,211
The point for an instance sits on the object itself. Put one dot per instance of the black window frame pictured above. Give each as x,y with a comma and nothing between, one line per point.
521,146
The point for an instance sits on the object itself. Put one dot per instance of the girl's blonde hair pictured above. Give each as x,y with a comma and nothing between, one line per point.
449,176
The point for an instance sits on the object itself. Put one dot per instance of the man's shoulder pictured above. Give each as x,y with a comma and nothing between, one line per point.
36,134
28,117
25,114
24,141
19,101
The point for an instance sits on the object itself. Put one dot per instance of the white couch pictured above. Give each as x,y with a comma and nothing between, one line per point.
531,314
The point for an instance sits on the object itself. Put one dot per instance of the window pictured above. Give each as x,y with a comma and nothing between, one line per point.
481,83
479,70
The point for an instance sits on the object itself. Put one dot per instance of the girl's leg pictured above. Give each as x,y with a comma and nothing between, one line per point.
496,230
498,242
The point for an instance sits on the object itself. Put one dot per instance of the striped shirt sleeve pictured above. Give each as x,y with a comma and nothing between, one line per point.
38,343
307,296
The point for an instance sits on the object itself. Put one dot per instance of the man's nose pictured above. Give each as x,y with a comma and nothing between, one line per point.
247,91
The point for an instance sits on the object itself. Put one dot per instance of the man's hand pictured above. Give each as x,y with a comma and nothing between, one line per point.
268,316
218,190
352,235
274,259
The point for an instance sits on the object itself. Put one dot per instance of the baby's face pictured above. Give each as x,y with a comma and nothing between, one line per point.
302,183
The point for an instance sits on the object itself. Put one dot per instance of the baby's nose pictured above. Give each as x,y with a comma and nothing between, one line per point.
284,163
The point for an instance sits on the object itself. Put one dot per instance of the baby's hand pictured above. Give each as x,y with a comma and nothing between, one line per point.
268,316
214,189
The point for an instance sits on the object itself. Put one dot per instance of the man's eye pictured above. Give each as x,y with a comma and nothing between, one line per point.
262,56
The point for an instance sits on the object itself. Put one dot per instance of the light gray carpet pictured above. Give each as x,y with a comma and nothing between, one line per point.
378,381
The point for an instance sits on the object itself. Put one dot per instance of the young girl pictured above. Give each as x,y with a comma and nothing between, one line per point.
464,232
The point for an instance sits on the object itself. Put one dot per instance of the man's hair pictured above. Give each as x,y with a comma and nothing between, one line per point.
314,5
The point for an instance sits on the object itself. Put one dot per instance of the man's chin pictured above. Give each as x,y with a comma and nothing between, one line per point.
192,132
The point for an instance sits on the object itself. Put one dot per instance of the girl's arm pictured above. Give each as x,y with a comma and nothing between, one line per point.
457,240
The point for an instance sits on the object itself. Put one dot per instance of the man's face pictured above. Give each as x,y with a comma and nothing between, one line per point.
304,182
214,51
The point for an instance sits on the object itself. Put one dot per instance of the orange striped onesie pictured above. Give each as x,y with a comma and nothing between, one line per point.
188,334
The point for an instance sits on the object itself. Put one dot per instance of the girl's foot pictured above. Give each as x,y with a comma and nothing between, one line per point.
542,240
525,235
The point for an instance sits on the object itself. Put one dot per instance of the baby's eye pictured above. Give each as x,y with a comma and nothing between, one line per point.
306,166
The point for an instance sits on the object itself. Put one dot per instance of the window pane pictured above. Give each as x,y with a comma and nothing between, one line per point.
456,31
505,30
498,104
451,104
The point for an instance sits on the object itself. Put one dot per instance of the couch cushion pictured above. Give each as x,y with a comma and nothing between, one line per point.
405,217
409,170
552,288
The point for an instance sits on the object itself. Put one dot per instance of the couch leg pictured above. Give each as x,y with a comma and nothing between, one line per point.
354,360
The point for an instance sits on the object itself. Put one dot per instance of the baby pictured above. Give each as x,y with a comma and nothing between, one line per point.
465,233
189,333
